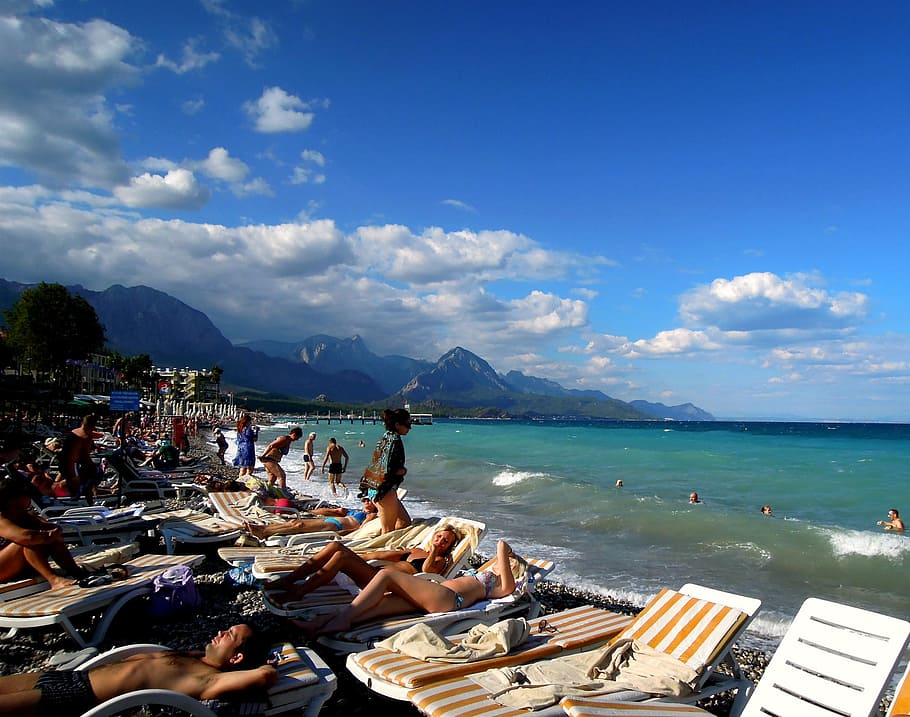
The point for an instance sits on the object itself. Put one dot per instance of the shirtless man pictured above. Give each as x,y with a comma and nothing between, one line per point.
333,456
894,522
340,520
76,464
206,675
274,452
308,456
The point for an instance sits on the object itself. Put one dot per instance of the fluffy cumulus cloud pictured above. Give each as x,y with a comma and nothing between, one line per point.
220,165
763,301
54,117
190,60
279,111
178,189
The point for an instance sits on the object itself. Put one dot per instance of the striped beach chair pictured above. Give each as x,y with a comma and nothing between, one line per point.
900,704
195,528
393,674
834,661
58,607
304,684
696,625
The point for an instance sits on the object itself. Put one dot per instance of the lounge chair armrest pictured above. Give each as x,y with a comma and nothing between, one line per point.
140,698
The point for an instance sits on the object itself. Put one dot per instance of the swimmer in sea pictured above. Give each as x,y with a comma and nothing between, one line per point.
894,521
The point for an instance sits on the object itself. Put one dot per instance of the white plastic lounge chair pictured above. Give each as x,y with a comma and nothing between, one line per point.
521,603
834,661
393,674
195,528
97,525
57,607
132,485
269,567
239,507
304,685
696,626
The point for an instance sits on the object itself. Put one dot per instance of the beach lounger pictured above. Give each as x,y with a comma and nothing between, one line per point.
394,674
900,704
694,627
272,566
98,525
134,486
60,606
834,661
193,527
304,685
521,603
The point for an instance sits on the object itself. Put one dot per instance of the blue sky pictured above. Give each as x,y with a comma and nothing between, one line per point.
697,201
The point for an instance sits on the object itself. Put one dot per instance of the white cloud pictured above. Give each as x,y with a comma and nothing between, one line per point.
305,175
178,189
314,156
54,119
254,186
189,61
220,165
278,111
458,204
192,106
765,301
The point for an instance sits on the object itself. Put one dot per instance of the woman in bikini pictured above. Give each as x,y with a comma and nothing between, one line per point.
274,452
337,558
411,591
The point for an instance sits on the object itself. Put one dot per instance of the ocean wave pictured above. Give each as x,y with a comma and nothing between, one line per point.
866,544
506,478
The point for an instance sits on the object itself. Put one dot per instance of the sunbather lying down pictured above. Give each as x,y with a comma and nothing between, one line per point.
340,520
411,591
336,558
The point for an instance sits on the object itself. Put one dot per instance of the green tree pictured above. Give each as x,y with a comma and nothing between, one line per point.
48,325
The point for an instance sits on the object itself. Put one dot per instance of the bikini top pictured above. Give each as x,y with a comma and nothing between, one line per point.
357,515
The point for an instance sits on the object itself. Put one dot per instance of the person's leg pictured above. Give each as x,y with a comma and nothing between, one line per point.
18,695
271,472
404,518
37,558
12,561
282,477
388,511
332,482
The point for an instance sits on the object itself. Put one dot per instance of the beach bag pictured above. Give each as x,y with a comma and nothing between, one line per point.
374,475
174,593
242,575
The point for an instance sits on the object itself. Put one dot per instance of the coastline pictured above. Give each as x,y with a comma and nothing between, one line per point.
224,604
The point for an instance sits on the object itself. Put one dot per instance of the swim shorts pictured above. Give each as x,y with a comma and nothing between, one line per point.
335,522
65,693
306,458
335,468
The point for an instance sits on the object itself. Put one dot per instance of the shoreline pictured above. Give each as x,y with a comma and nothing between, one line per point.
225,604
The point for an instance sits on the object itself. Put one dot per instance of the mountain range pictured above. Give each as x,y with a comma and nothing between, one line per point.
141,320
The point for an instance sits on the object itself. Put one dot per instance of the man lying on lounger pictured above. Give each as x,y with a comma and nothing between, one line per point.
338,520
205,675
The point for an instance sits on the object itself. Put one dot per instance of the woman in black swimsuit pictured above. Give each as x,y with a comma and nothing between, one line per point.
337,558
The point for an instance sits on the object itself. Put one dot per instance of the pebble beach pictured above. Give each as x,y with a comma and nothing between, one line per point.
224,604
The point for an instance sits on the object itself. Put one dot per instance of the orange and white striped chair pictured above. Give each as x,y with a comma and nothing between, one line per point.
394,674
834,661
900,704
57,607
304,684
696,625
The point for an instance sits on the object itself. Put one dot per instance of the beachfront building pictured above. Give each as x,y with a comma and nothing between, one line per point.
187,385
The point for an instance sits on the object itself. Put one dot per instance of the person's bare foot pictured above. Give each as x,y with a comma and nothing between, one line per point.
257,531
60,582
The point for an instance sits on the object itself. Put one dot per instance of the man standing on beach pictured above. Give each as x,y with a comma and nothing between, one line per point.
308,456
76,464
333,456
207,675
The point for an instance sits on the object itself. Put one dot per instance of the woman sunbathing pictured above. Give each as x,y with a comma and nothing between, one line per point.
29,541
411,591
340,520
337,558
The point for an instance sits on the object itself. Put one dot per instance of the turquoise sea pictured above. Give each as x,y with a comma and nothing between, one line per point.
549,488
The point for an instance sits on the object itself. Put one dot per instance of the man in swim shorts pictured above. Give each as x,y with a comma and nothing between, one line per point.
308,456
334,455
274,452
338,520
203,675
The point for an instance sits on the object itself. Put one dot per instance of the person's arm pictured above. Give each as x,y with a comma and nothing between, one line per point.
435,563
27,536
392,556
325,459
330,512
222,683
344,454
506,584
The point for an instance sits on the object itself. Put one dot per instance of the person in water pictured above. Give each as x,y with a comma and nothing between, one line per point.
336,558
412,592
693,497
205,675
894,521
766,510
274,452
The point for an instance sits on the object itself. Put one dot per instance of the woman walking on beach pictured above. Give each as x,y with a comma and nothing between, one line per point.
247,434
387,471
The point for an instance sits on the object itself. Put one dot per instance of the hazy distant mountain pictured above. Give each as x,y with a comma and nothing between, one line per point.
328,354
682,412
144,320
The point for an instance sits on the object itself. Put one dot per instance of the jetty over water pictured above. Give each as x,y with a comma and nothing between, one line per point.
420,419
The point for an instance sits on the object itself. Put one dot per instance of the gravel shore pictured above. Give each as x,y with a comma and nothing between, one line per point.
225,604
